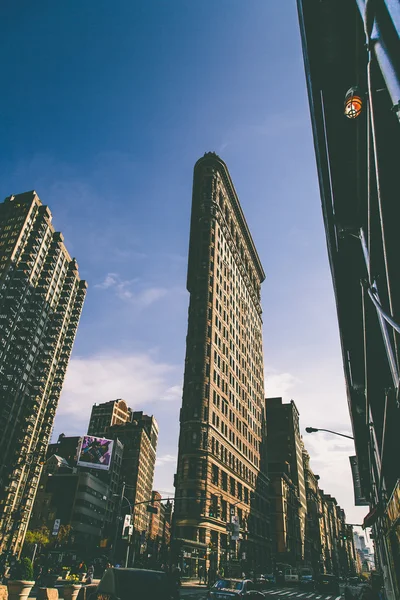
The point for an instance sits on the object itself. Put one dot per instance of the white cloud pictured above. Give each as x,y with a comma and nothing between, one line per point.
165,459
278,384
138,378
125,290
173,393
110,280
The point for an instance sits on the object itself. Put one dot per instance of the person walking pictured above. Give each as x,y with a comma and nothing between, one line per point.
201,571
90,575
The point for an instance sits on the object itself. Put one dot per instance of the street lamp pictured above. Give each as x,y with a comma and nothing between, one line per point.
314,429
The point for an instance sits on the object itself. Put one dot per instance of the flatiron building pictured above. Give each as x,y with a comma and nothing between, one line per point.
41,299
222,470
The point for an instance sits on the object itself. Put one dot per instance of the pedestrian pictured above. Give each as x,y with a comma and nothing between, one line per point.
200,574
90,574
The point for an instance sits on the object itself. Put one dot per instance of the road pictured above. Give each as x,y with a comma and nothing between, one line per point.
276,593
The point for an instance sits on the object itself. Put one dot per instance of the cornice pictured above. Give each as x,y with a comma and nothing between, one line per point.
212,159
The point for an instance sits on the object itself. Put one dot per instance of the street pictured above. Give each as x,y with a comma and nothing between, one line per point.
197,593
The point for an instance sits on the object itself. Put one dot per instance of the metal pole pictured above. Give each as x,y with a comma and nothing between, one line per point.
127,551
117,522
34,553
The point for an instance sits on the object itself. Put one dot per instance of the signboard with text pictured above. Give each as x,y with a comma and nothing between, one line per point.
359,499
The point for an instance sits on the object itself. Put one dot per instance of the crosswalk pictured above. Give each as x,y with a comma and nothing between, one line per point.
291,594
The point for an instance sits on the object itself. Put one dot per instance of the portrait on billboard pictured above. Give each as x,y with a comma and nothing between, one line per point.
95,452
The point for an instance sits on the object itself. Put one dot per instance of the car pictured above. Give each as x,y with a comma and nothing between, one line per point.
226,589
307,581
141,584
291,575
353,581
328,584
269,578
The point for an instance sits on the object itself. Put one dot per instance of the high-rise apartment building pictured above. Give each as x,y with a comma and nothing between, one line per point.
139,436
221,469
41,299
285,446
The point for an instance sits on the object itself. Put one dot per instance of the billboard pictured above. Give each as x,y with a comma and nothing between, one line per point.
95,453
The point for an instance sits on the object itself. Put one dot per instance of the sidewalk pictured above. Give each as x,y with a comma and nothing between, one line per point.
193,583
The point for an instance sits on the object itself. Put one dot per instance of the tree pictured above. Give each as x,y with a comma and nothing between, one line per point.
41,536
63,534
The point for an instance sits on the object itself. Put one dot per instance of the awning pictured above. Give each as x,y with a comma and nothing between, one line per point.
371,517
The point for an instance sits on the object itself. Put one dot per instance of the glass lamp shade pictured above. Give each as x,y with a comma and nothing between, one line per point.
353,103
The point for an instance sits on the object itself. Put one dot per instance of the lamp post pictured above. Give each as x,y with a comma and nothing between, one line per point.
121,498
315,429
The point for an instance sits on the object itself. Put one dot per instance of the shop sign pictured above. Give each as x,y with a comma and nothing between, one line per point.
359,499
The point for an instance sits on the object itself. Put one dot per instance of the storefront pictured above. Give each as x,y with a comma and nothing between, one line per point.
191,557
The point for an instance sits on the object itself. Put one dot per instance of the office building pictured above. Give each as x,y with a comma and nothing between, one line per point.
139,435
67,448
285,516
114,412
72,497
221,469
313,542
285,445
351,50
41,299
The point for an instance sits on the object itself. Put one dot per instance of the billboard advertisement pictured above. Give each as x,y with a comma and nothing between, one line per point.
95,453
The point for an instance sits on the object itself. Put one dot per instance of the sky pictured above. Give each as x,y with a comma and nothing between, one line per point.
105,108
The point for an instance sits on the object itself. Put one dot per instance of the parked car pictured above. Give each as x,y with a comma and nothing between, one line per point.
291,575
307,582
328,584
137,584
226,589
270,578
353,581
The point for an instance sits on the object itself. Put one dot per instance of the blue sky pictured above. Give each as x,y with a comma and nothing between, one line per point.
105,107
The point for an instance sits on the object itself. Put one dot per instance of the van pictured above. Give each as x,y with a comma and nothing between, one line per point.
291,575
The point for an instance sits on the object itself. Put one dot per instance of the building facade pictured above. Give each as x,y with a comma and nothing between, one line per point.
67,448
107,414
222,466
159,532
313,542
285,445
285,517
138,433
41,299
71,497
351,50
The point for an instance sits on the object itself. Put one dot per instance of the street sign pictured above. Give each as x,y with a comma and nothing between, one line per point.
126,526
235,527
56,526
152,509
